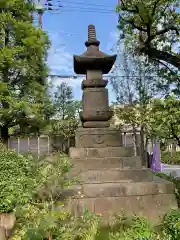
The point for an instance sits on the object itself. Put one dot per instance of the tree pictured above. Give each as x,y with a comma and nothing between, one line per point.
65,118
65,106
22,67
63,98
153,27
165,120
133,93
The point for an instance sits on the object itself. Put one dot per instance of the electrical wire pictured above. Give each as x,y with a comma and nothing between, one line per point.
80,11
109,76
84,7
83,3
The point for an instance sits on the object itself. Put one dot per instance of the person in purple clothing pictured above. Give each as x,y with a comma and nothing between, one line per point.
156,158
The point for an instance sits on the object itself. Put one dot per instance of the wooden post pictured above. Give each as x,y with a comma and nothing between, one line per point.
28,144
38,140
8,142
18,145
134,144
48,145
125,139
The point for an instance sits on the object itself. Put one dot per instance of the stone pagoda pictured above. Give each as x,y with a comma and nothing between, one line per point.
112,179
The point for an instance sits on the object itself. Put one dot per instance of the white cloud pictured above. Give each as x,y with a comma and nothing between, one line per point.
60,60
73,82
113,38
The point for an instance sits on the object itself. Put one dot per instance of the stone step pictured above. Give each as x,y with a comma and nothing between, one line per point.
153,207
121,189
82,153
110,162
113,175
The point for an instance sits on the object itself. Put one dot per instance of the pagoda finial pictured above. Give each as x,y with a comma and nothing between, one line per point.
92,37
91,32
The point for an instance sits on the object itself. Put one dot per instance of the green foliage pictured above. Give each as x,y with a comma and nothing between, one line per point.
171,225
170,157
133,229
140,23
17,180
65,107
165,118
37,223
22,67
46,216
176,181
136,228
64,128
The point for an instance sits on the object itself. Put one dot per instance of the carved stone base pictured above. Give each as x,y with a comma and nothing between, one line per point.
98,137
96,124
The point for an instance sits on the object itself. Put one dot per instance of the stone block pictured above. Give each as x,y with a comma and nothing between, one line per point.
132,162
97,163
82,153
98,137
110,162
153,207
122,189
96,124
113,175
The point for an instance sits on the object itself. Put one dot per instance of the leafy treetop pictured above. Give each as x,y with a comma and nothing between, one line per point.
154,26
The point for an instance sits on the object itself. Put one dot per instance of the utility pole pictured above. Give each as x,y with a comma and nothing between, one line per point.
39,6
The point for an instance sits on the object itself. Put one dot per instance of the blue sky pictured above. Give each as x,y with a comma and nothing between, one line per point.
68,32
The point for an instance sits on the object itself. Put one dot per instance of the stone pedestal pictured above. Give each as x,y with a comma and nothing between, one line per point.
113,181
112,178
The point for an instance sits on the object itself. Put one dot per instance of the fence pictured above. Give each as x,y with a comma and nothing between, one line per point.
40,145
36,145
45,145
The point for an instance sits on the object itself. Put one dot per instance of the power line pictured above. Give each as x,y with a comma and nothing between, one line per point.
83,3
83,7
84,10
109,76
87,8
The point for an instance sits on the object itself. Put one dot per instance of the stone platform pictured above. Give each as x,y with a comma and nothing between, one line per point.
112,181
111,178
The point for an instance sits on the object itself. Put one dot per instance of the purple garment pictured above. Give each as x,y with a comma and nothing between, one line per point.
156,159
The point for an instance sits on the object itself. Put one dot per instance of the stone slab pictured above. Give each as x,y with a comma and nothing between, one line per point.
113,175
153,207
81,153
122,189
96,124
98,137
110,162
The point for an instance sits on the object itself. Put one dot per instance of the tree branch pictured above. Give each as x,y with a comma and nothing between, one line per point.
155,6
175,135
172,72
133,24
164,30
156,54
124,8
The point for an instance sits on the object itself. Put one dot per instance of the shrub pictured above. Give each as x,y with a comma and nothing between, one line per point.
46,216
170,157
134,228
171,225
17,180
176,181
